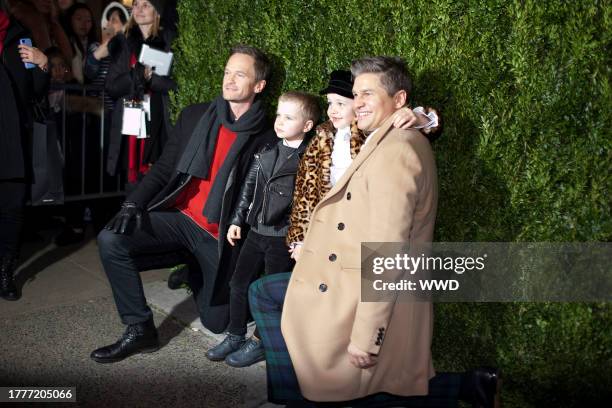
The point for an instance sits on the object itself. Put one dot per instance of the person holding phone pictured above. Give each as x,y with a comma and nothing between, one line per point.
42,19
20,86
114,19
128,80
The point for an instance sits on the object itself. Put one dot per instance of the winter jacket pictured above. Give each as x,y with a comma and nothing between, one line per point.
267,192
125,83
27,85
161,186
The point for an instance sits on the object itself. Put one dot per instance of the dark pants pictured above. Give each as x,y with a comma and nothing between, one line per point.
12,200
258,251
266,297
166,232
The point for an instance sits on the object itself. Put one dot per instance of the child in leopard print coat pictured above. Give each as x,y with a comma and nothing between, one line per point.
332,150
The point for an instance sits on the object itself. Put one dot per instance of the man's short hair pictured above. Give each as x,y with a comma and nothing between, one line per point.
308,103
393,74
263,66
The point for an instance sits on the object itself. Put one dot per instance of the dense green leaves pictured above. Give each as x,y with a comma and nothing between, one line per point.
525,155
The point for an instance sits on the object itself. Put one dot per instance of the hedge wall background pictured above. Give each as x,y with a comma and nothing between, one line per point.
526,153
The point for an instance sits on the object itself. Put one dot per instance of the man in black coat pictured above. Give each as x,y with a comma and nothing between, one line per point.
183,204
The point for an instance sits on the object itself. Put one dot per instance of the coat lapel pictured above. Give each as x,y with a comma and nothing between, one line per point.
364,153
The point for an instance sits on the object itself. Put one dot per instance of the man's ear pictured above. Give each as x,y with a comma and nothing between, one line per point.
308,125
400,98
260,85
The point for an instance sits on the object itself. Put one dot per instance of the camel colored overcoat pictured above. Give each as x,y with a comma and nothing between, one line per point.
388,194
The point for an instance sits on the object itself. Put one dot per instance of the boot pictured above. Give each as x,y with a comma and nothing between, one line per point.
231,343
138,338
251,352
8,290
481,387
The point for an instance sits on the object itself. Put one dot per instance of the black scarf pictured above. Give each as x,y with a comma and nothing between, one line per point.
198,154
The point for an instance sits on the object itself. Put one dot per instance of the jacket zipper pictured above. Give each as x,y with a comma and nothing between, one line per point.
263,204
254,192
181,185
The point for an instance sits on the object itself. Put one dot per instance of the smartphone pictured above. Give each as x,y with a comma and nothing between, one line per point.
28,42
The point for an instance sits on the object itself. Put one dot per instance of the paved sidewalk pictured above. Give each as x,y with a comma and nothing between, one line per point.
67,310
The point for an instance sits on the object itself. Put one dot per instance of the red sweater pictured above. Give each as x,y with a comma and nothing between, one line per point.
193,198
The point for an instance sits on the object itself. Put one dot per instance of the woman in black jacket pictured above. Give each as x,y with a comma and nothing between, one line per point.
127,80
20,86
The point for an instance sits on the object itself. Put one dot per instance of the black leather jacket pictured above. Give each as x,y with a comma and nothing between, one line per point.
268,193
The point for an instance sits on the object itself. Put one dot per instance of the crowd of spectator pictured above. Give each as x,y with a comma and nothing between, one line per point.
71,65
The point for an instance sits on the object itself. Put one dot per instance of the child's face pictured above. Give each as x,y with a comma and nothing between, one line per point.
58,69
290,123
340,110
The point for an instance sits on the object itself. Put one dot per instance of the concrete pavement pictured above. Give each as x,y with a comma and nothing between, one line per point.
67,310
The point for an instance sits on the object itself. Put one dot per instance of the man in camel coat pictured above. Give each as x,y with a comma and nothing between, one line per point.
340,348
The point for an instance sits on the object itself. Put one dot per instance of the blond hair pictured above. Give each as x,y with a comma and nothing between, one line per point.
309,104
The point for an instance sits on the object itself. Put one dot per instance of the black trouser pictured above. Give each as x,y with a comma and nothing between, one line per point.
258,251
12,199
165,232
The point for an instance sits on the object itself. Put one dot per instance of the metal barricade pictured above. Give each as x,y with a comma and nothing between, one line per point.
84,137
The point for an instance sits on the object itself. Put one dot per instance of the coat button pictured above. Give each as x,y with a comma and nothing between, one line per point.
341,226
377,342
348,195
333,257
323,287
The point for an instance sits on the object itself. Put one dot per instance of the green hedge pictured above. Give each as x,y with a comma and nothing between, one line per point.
526,152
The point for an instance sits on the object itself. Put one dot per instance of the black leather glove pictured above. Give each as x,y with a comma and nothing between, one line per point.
125,218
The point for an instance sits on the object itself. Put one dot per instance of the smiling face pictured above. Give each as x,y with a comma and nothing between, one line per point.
373,105
340,110
290,123
143,12
239,80
81,22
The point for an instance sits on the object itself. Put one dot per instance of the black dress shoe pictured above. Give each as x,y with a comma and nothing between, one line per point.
251,352
179,277
230,343
8,290
138,338
481,387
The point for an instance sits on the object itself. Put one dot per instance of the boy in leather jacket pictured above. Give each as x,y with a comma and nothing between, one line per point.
265,205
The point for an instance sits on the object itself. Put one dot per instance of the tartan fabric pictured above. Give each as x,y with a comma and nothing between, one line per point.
266,297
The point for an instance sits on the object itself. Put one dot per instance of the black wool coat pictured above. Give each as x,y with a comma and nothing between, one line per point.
125,83
161,186
26,85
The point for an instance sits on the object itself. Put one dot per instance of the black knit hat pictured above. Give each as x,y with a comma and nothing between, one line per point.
341,83
159,5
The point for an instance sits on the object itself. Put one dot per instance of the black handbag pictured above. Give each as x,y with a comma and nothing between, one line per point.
47,161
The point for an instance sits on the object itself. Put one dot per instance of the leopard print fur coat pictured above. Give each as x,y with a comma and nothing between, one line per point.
313,180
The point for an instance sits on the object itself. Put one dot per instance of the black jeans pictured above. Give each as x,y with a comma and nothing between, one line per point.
258,251
12,201
124,256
